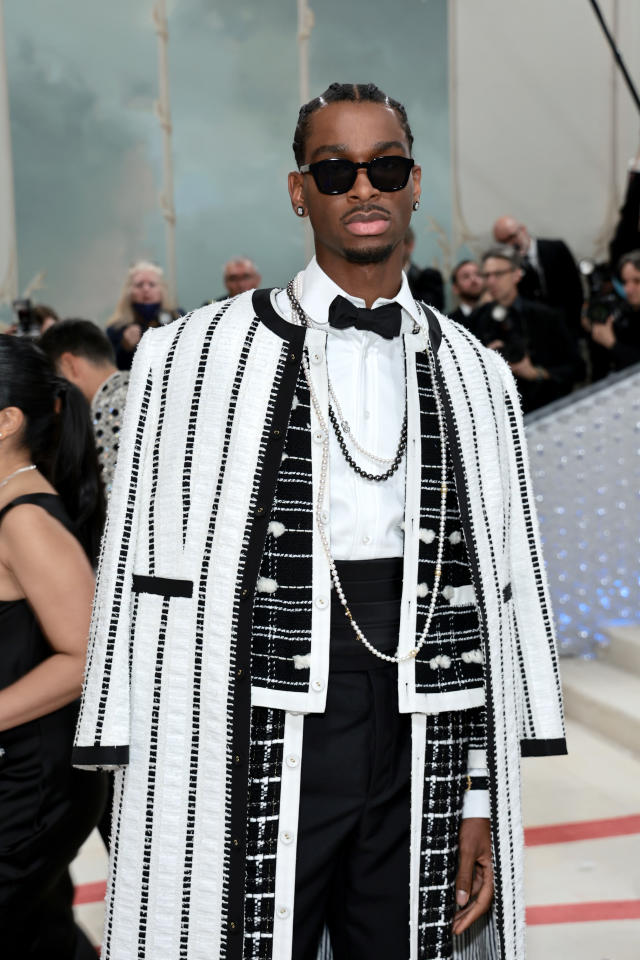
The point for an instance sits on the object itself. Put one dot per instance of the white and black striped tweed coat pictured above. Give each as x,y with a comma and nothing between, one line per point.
168,700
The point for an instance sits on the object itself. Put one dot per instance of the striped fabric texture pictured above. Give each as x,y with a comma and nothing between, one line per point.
200,496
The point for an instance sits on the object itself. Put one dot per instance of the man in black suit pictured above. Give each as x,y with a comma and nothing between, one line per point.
627,234
468,285
426,285
532,338
549,272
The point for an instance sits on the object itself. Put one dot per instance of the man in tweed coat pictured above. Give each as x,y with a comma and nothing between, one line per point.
321,637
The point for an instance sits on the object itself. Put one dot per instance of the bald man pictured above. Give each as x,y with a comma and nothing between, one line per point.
550,274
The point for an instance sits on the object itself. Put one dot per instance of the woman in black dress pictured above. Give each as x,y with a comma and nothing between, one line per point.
51,515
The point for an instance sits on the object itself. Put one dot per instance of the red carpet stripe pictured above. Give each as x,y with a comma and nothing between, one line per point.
581,830
584,912
90,893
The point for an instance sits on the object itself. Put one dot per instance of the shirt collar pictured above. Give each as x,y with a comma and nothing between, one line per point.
319,291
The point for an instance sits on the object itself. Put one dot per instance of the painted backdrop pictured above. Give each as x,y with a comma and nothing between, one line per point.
87,146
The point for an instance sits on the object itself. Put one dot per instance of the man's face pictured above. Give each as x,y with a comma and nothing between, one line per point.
469,283
240,275
631,280
508,230
363,225
502,279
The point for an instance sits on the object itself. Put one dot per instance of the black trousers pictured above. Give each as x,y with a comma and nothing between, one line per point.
353,836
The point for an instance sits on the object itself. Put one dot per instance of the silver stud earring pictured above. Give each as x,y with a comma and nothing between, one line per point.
416,204
300,211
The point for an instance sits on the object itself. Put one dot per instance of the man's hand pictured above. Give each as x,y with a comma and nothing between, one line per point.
526,370
603,333
474,883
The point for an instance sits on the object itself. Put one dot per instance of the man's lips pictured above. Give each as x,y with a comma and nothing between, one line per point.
367,225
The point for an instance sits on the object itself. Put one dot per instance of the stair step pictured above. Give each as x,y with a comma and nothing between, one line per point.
624,647
604,698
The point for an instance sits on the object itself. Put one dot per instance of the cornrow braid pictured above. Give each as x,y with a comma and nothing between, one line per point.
339,93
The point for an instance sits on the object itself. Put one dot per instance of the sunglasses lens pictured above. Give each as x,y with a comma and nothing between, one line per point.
390,173
334,176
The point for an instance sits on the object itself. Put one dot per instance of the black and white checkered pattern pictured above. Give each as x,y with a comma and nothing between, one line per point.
282,619
265,765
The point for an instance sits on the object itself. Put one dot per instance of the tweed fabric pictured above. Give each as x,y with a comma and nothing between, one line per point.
265,765
281,630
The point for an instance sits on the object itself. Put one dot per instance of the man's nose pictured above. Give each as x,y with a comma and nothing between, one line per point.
362,187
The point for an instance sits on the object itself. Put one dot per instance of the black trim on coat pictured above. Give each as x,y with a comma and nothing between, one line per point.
98,756
162,586
507,593
465,517
543,748
273,440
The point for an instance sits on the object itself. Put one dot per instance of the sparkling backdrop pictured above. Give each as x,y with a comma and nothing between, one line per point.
585,463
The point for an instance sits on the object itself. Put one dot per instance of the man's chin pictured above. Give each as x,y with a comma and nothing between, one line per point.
365,255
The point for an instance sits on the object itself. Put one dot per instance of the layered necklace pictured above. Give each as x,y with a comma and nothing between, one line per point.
15,473
294,299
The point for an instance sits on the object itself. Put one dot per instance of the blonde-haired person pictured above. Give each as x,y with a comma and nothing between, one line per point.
143,303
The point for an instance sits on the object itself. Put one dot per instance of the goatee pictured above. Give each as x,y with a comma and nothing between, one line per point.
368,255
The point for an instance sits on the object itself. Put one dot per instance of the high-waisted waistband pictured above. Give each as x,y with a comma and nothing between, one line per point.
373,590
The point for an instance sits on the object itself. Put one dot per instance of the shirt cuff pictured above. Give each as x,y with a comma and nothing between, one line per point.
476,804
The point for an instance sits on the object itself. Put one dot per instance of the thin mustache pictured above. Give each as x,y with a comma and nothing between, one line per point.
367,208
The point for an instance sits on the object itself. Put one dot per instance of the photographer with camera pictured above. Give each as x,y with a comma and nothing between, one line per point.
614,324
531,337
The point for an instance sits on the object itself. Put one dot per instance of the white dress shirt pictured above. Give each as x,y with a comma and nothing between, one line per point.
367,375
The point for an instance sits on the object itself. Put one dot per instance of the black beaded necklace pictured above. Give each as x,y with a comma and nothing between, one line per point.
397,460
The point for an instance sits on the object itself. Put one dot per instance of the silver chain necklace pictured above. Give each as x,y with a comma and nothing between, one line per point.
15,473
322,487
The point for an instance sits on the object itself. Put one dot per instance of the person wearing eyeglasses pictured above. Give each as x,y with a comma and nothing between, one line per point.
322,635
549,272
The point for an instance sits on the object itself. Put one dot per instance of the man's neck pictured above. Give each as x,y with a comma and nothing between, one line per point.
508,301
472,303
368,281
100,376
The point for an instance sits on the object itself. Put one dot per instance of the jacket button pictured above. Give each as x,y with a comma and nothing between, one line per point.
234,926
276,433
237,759
292,357
260,511
235,843
240,673
244,593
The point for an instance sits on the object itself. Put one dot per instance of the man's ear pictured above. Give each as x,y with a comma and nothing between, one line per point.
416,174
66,366
296,191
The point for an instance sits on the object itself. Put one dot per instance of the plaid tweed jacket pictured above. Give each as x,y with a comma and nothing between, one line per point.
182,695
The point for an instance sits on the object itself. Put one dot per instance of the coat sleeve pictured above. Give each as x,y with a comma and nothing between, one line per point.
542,729
102,735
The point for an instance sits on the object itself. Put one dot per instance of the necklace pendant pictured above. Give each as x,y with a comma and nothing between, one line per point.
345,427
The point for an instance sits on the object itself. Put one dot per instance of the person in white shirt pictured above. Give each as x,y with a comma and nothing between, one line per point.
321,636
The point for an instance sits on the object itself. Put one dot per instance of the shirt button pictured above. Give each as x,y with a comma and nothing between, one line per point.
283,913
286,836
318,685
324,516
367,415
321,603
317,356
318,436
366,538
293,761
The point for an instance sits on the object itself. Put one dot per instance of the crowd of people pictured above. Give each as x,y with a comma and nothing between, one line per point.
61,406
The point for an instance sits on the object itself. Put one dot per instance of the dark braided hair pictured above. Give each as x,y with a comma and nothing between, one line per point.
339,93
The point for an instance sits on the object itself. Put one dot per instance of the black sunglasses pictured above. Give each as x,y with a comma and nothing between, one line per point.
337,176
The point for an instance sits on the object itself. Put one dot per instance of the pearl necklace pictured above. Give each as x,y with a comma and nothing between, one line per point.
15,473
346,431
322,487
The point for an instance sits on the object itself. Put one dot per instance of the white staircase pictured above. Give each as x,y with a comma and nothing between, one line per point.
604,694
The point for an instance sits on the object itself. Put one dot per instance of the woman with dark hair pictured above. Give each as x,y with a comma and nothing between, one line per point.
51,517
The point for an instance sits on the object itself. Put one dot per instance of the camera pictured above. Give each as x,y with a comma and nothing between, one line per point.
602,299
29,322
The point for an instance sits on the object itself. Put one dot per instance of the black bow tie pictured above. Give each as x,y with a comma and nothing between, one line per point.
385,321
